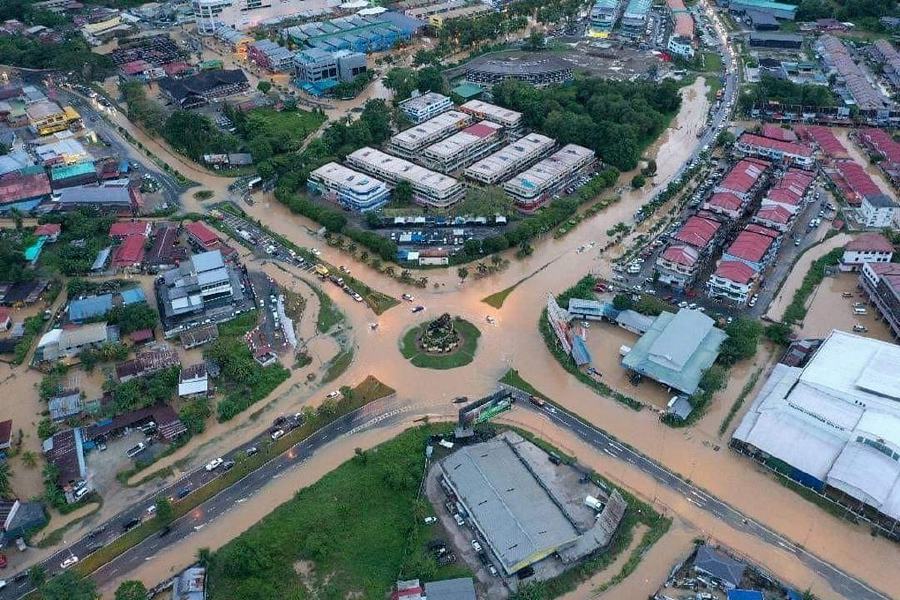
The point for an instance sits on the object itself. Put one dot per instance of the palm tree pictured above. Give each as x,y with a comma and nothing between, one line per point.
29,459
5,487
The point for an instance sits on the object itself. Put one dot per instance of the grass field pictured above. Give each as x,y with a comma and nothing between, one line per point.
463,354
295,124
498,298
338,365
329,314
350,535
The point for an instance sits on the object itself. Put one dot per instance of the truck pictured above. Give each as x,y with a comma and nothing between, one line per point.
594,503
321,271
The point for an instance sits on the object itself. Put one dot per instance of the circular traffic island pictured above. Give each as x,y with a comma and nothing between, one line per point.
444,343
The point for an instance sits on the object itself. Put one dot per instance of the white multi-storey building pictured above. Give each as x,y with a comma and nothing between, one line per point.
429,188
347,187
463,148
244,14
510,119
425,106
532,188
410,142
505,163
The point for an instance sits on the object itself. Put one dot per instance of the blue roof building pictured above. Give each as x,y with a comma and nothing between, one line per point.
133,296
745,595
90,307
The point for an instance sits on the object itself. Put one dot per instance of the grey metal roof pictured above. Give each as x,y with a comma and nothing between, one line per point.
719,565
461,588
677,349
516,515
207,261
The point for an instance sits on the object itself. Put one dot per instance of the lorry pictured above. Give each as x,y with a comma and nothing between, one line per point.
594,503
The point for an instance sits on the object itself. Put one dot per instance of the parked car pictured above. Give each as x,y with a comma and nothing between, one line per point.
135,450
277,434
418,309
459,520
476,546
251,451
430,520
227,465
333,395
131,524
214,464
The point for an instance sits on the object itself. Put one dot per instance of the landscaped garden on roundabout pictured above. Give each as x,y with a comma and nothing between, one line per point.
444,343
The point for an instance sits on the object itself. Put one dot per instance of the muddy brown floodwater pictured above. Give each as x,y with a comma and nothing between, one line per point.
514,342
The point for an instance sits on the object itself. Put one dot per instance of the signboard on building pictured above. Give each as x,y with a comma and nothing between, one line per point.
559,321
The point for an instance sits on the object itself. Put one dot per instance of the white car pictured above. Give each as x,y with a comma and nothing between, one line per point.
333,395
214,464
277,434
476,545
71,560
430,520
316,251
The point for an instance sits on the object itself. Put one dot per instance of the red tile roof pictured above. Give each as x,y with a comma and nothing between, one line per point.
682,255
176,68
788,148
48,229
824,139
774,214
882,143
697,231
750,246
744,175
481,130
201,232
4,314
725,200
15,187
141,335
130,251
136,66
127,228
871,242
756,228
736,271
5,432
859,181
778,133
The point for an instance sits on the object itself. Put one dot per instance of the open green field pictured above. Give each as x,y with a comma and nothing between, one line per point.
350,535
463,355
294,124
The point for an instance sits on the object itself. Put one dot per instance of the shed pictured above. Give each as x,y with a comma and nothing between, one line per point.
719,566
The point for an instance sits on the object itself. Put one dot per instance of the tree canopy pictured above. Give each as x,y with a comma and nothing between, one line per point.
615,119
131,590
772,89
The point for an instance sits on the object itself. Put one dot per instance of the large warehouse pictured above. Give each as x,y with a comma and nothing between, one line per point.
833,425
520,504
677,350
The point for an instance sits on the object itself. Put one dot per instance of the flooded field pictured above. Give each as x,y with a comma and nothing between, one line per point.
798,272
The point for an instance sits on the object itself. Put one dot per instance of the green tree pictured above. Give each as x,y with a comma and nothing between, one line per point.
638,181
204,557
743,337
131,590
68,586
463,272
264,86
430,79
403,192
164,510
622,302
5,475
780,333
535,41
37,575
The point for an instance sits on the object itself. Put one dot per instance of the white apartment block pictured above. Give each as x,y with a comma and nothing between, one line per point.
429,188
532,188
510,119
878,211
515,157
409,142
351,189
463,148
425,106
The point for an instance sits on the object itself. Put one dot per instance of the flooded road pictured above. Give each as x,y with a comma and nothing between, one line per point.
798,272
514,342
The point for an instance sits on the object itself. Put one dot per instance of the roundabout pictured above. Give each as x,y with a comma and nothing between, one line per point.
443,343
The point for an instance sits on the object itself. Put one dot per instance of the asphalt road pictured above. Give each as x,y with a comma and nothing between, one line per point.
843,583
